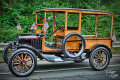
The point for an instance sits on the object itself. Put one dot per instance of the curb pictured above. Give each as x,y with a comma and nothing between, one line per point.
116,55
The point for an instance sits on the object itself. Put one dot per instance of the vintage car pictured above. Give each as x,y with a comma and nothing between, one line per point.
68,44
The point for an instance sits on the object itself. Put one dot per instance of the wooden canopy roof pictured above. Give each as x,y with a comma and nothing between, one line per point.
75,10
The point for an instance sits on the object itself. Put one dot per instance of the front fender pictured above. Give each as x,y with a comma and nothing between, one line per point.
12,42
36,51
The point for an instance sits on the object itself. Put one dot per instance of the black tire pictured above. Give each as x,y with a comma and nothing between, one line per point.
6,53
99,58
23,65
64,43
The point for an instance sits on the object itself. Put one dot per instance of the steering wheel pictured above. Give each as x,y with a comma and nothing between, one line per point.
60,27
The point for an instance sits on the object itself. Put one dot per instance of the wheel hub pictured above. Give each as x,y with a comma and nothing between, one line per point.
22,62
100,58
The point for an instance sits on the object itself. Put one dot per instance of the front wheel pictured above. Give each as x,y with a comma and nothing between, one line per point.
22,62
99,58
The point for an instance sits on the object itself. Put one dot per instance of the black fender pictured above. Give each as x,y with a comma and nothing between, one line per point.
37,52
12,42
101,45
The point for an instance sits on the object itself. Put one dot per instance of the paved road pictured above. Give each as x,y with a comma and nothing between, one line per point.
66,71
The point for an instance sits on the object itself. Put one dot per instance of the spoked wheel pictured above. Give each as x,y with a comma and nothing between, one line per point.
22,62
73,45
99,58
7,52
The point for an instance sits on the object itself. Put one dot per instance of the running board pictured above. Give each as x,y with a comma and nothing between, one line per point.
53,58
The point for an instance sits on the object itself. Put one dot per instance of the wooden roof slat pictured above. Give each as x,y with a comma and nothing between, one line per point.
75,11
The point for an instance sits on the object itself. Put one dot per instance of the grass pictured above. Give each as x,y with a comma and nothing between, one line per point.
0,54
1,60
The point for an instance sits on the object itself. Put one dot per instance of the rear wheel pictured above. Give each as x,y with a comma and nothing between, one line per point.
22,62
73,45
99,58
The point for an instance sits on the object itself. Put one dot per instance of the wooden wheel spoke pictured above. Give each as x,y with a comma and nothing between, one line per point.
102,63
26,67
99,53
29,61
19,57
16,60
22,56
20,68
102,54
16,63
17,66
23,68
95,56
97,63
25,56
104,57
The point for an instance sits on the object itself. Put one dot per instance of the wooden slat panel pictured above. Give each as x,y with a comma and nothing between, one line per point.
89,44
47,49
73,43
92,42
71,31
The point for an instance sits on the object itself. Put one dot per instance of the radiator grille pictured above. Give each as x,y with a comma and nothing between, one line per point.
32,42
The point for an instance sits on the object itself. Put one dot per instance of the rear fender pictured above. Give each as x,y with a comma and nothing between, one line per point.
101,45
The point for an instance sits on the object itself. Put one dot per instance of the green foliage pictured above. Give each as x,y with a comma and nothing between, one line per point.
13,12
116,50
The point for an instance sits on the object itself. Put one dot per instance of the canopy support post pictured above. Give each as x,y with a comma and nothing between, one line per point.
66,14
53,21
111,26
79,23
45,16
36,20
96,26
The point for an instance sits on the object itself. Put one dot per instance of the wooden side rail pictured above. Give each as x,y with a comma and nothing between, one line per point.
88,36
39,24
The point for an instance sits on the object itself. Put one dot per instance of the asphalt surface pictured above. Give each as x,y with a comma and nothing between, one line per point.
66,71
